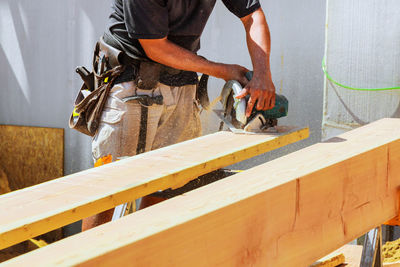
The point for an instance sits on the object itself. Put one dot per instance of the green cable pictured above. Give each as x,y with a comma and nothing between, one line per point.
353,88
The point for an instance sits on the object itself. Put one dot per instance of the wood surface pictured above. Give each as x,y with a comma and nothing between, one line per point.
71,198
31,155
4,185
351,253
288,212
331,260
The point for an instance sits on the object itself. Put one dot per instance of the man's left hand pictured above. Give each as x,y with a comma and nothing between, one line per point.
261,91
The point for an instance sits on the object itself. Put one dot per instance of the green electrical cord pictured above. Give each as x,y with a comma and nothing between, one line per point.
353,88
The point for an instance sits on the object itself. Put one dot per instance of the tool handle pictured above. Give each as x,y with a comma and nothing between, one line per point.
86,76
249,75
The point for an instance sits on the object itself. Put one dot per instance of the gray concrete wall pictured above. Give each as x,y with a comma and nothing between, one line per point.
362,50
42,41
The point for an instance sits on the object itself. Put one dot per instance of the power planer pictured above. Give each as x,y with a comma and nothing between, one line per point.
233,113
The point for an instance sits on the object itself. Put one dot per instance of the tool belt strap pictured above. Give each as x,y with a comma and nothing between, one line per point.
146,73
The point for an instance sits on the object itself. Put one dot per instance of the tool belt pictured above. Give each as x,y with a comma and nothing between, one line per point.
112,66
96,87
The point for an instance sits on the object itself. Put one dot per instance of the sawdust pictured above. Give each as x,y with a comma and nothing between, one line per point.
214,103
391,251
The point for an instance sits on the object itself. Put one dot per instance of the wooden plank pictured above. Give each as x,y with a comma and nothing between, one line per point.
351,253
288,212
31,155
332,260
392,264
80,195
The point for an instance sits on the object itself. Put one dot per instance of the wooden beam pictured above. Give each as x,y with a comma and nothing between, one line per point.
39,209
288,212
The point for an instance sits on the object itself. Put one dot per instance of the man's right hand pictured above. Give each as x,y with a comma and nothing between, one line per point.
261,91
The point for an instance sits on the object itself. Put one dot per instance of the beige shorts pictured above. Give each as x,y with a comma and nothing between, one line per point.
175,120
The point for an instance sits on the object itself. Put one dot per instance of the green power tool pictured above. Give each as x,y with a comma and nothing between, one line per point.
234,111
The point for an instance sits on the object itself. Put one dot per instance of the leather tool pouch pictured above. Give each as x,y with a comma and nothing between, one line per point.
148,75
202,92
93,94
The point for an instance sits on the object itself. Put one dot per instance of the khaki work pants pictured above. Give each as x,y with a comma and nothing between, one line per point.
176,120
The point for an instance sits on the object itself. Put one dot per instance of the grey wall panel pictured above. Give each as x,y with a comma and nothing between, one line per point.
41,42
362,50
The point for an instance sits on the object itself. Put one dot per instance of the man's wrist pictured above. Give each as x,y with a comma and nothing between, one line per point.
218,70
262,75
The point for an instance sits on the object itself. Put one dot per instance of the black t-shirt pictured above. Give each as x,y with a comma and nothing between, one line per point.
181,21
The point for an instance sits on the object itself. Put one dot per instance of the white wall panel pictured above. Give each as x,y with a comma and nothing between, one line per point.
362,50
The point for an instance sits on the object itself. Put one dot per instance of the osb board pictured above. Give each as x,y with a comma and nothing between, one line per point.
4,186
31,155
391,253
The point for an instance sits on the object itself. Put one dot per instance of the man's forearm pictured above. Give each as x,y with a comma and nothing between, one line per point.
258,42
165,52
261,88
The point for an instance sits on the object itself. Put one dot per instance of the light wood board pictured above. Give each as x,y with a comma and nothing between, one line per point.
71,198
31,155
288,212
392,264
352,256
333,259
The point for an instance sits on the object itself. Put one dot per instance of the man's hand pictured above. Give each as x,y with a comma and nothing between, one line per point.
261,91
235,72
